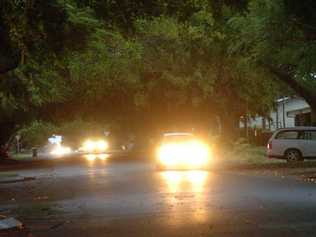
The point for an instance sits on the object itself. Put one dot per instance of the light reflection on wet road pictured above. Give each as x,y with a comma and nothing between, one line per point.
101,193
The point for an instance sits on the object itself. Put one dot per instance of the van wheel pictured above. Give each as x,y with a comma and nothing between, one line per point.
293,155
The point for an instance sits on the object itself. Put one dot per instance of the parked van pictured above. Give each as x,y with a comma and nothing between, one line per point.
293,144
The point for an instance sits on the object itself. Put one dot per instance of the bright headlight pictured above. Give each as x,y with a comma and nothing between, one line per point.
101,145
197,153
167,154
89,145
95,146
189,153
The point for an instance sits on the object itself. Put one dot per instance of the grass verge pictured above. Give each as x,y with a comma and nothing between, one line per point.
21,156
7,174
245,154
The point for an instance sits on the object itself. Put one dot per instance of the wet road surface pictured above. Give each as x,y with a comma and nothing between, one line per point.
131,198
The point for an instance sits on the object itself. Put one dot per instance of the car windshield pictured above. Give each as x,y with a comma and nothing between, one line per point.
178,138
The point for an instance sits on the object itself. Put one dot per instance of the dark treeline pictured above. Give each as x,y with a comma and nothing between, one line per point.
153,64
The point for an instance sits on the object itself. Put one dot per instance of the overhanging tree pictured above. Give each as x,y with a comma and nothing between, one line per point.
280,36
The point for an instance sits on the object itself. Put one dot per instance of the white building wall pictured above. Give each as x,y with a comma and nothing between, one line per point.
283,116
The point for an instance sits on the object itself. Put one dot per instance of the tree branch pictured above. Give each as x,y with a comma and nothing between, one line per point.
305,92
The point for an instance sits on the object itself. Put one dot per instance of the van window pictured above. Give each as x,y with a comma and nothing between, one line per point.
287,135
309,135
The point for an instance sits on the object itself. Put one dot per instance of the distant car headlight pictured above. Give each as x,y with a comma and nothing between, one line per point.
88,145
189,153
60,150
95,146
101,145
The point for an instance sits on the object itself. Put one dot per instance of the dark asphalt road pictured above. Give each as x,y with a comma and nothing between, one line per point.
133,199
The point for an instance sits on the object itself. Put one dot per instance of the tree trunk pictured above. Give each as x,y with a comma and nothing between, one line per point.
246,126
229,127
264,123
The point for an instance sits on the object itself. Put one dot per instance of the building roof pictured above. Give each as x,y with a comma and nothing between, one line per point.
283,99
288,98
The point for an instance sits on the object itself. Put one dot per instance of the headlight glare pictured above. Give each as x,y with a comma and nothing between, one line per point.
190,153
95,146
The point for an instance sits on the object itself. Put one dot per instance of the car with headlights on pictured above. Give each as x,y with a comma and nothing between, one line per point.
94,149
94,146
182,151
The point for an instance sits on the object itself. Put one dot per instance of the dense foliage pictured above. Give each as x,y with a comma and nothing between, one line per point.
280,36
152,65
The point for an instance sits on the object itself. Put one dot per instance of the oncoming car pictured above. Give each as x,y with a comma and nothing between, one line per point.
293,144
94,149
95,146
182,151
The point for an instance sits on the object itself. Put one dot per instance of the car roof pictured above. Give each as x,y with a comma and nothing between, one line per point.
297,128
177,134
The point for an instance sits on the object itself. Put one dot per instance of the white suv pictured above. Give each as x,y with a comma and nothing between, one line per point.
293,144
